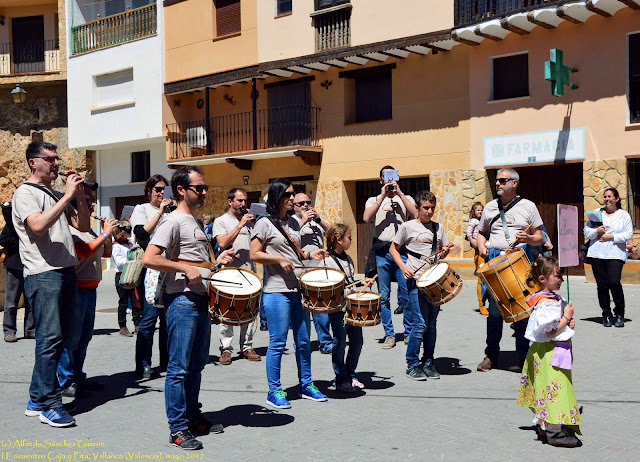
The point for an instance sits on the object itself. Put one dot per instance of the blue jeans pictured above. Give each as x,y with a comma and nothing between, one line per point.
387,267
75,350
321,323
425,317
284,309
144,342
189,331
51,296
345,371
495,321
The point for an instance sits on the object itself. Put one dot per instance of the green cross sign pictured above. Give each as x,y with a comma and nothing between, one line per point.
556,72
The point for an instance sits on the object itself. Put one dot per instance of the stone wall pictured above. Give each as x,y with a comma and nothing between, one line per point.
328,200
474,189
600,175
448,187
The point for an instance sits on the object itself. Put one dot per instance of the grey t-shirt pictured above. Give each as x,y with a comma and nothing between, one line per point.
54,249
224,225
311,234
182,238
276,280
418,238
521,215
142,214
390,215
88,269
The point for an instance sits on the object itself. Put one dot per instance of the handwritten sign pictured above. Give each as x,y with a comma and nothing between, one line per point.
567,235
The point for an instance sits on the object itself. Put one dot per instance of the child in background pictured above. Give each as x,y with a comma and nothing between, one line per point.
121,245
545,384
472,237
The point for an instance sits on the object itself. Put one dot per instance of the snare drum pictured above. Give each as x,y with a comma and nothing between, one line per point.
506,278
234,300
322,290
439,283
363,309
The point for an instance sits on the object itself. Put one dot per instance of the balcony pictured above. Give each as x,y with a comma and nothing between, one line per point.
468,12
29,57
270,129
332,24
115,29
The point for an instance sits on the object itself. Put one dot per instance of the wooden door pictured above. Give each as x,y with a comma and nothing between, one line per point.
289,114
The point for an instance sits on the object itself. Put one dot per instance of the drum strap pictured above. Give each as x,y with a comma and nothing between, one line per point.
433,227
336,258
296,248
502,215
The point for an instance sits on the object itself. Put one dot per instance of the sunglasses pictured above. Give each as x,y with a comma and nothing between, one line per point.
199,188
301,203
504,180
158,189
288,194
50,160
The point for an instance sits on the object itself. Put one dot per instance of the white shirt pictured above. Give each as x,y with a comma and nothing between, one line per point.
119,255
546,316
619,224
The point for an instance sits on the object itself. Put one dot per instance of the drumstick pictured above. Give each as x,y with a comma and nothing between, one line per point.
324,262
433,255
516,240
362,290
221,280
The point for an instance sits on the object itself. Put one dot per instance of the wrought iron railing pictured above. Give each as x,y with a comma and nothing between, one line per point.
29,57
115,29
239,132
468,12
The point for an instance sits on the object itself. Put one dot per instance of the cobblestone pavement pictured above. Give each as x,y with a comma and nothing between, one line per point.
466,415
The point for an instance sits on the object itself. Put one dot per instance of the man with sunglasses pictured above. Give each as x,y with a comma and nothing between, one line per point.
312,229
233,229
41,217
187,301
503,221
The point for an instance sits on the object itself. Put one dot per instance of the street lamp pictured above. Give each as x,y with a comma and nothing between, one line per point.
19,95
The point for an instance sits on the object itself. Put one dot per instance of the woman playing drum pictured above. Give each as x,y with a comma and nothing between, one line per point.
422,237
276,246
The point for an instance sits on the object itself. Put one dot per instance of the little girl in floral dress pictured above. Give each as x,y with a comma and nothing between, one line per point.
545,384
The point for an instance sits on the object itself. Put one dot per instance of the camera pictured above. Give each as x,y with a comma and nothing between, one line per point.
172,206
317,219
389,187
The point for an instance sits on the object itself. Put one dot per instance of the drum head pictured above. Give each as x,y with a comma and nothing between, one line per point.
319,277
231,281
364,296
432,274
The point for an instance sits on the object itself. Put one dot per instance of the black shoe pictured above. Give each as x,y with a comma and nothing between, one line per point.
430,371
416,373
185,440
619,321
563,439
200,426
70,391
398,310
147,372
606,321
263,327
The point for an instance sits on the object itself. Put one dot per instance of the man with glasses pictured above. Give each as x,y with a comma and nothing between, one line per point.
312,228
503,221
187,302
41,217
388,211
233,229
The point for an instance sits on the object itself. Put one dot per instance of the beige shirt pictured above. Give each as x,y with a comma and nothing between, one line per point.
311,234
142,214
390,215
224,225
418,238
521,215
54,249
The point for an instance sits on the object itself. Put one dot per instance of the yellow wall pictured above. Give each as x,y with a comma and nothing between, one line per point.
598,49
191,47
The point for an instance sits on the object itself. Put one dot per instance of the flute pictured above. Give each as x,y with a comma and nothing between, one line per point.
92,185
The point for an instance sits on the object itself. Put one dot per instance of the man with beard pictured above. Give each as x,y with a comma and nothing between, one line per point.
187,260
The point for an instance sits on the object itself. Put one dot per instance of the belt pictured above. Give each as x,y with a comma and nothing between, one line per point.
200,264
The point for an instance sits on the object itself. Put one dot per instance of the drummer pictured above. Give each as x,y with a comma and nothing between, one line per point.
421,237
504,221
233,229
277,246
186,301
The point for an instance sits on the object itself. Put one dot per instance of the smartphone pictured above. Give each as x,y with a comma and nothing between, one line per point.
391,175
168,192
258,209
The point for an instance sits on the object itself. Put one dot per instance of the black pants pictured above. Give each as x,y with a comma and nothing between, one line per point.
124,297
495,323
608,274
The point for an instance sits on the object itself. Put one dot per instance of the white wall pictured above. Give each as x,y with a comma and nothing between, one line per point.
140,120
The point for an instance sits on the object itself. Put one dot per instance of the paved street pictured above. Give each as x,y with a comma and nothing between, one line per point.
466,415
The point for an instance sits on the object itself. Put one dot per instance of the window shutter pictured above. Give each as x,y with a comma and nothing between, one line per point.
227,17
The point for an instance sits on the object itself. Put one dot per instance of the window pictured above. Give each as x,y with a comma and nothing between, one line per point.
322,4
368,94
113,89
284,6
140,166
227,17
634,78
510,76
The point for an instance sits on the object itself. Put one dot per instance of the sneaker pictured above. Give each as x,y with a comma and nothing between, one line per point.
486,365
251,355
70,391
619,321
10,338
606,322
200,426
225,358
346,387
398,310
125,332
185,440
430,371
311,392
416,373
357,383
57,417
147,372
33,409
30,336
278,399
389,342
